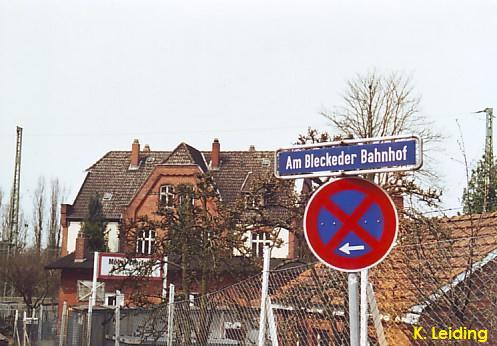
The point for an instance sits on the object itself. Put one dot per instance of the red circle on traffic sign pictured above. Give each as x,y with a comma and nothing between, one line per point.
350,224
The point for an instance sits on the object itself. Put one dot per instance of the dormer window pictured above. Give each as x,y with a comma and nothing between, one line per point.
107,196
166,196
254,201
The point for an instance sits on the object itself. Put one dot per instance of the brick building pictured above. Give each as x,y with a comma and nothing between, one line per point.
134,183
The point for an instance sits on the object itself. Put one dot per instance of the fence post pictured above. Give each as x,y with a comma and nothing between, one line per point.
273,333
24,328
93,298
170,316
264,295
117,316
63,324
40,322
364,308
16,330
353,284
382,341
164,279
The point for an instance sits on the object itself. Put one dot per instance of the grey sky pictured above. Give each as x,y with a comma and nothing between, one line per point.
86,77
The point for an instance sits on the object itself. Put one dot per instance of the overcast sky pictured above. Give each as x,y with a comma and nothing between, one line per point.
86,77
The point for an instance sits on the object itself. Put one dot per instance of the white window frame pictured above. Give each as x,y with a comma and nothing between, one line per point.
254,201
192,199
116,298
145,242
258,240
107,297
194,299
167,195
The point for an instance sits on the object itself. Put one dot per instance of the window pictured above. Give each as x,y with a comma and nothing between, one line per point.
233,331
258,241
107,196
84,288
254,201
183,196
145,242
194,299
166,196
110,299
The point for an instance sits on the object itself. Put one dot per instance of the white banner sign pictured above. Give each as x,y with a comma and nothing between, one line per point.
119,266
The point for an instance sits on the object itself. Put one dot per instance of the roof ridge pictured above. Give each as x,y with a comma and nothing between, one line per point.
98,161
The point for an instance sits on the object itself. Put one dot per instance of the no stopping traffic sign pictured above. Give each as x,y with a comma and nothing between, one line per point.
350,224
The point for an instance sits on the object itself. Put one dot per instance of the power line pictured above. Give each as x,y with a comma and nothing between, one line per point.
159,133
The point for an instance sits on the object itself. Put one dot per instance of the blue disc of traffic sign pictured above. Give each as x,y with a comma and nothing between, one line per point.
350,224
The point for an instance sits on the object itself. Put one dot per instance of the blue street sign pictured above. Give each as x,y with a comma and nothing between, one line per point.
352,157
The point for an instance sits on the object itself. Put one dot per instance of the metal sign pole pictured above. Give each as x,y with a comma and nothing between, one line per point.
117,331
264,295
364,308
93,297
164,279
170,316
353,283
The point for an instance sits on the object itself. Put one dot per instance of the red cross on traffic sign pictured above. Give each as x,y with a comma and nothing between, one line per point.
350,224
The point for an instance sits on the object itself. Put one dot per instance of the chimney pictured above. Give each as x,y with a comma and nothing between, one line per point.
81,248
398,201
64,210
135,153
215,160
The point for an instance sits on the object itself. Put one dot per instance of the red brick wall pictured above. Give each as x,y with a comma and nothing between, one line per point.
146,200
68,291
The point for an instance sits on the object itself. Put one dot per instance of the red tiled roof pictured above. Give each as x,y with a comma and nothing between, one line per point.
111,175
418,269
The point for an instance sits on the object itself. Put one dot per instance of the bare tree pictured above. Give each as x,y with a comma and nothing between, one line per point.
4,220
386,105
378,106
25,273
22,237
1,216
39,212
57,193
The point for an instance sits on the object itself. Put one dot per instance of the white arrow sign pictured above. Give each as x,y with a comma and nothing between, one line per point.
346,248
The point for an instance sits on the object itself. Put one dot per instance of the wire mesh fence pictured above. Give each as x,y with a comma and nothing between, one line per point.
436,289
24,327
427,293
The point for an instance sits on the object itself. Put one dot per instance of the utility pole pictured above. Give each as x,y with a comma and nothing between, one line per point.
11,236
489,151
14,198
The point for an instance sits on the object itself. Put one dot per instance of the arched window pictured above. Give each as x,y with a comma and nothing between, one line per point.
145,242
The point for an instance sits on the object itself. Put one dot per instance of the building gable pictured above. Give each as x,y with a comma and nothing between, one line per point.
146,200
186,155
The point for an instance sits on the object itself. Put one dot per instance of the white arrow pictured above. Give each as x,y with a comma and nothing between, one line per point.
346,248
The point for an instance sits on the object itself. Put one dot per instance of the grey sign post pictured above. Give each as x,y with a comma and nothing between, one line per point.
349,158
